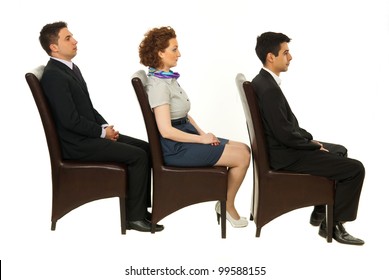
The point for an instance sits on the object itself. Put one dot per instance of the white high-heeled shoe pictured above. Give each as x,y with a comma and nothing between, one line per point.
242,222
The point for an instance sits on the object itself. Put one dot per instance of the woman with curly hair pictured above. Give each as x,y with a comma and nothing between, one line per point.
183,142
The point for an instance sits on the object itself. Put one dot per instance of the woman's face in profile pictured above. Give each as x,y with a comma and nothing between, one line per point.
170,55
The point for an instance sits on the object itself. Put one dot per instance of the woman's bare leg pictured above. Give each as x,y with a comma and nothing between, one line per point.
236,156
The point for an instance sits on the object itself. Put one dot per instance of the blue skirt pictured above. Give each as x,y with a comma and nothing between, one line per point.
191,154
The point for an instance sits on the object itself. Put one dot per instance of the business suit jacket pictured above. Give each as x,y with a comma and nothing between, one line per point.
287,142
78,123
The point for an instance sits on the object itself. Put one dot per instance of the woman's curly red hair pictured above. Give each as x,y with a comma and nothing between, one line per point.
154,41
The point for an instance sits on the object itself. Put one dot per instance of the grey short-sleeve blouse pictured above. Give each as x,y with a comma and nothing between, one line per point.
168,91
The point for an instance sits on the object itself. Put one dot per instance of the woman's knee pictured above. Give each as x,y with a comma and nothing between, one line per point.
247,154
244,154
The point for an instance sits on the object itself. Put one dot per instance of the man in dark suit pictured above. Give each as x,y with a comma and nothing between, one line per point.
292,148
84,134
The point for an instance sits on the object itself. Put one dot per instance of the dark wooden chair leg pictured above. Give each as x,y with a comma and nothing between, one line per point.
122,205
258,233
330,222
223,216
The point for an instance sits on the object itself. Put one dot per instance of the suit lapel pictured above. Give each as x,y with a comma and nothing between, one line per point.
71,73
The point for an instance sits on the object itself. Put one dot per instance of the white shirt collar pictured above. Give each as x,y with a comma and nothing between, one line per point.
278,79
67,63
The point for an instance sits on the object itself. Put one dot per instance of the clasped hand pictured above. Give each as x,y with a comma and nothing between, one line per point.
321,145
209,138
111,133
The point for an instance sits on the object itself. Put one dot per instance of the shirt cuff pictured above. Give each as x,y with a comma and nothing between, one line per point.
103,133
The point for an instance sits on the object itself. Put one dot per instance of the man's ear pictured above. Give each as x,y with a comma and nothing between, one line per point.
53,47
270,57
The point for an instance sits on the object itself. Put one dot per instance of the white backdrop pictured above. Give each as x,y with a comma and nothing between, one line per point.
336,84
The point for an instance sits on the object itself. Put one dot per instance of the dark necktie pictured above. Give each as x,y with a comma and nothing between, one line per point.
77,71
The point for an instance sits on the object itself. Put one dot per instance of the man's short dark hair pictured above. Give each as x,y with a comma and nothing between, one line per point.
49,35
269,42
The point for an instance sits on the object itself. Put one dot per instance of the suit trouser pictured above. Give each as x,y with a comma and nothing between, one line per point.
348,174
135,154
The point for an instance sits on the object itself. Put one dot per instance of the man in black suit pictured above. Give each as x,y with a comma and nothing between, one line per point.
84,134
292,148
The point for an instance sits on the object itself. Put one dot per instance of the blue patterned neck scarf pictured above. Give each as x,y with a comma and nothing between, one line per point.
162,74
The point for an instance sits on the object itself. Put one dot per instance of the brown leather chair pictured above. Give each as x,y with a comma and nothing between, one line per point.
177,187
277,192
75,182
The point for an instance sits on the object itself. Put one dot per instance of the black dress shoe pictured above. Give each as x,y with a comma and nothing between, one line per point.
340,234
318,215
142,225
